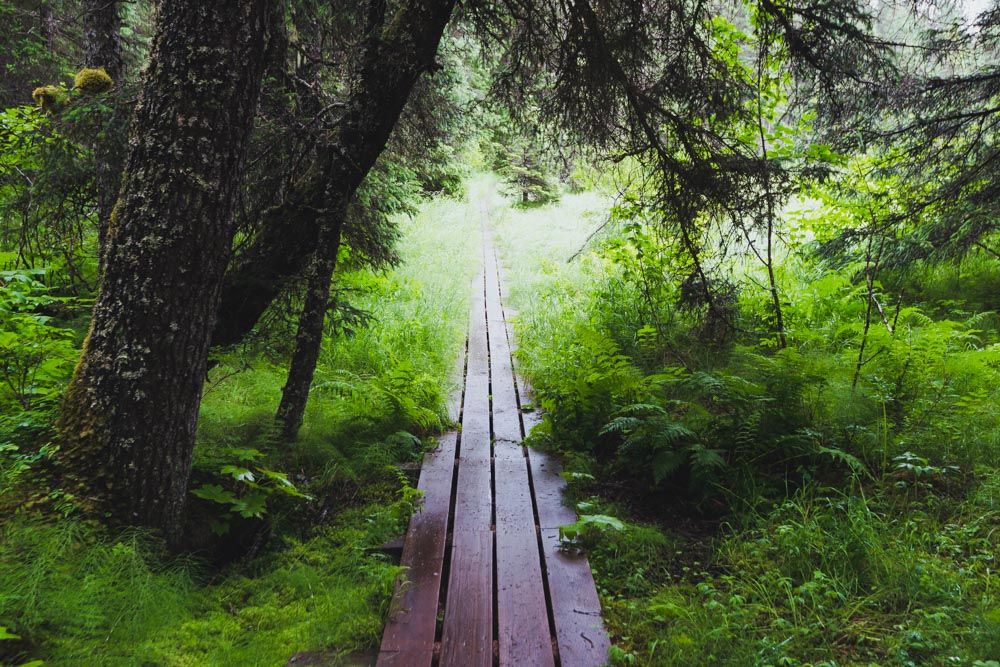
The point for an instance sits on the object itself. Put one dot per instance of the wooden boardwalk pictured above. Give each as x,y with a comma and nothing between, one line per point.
486,582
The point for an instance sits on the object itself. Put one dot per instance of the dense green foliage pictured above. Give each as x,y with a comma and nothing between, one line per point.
316,581
858,514
753,249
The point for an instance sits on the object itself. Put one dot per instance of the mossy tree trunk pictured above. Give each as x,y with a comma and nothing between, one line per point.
102,25
398,50
128,418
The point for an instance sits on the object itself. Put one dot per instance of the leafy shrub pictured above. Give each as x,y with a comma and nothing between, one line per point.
36,355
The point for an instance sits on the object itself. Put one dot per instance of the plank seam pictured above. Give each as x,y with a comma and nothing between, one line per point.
531,484
450,525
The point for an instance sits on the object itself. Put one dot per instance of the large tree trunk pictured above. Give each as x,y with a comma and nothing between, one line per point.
128,418
102,27
405,48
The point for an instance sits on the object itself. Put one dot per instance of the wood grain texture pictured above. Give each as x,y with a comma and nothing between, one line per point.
476,414
409,634
467,639
548,486
506,415
467,635
522,615
576,609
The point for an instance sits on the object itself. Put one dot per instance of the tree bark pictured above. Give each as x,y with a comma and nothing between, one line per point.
49,27
128,418
393,58
102,26
278,252
391,64
309,337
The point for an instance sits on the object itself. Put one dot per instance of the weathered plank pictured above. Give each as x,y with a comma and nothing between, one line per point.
467,640
506,415
467,634
476,411
549,485
522,615
409,634
576,609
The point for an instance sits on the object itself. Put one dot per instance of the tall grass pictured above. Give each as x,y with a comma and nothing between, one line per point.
419,316
76,597
862,519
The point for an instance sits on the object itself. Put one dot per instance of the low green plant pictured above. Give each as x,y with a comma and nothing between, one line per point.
75,597
587,527
36,353
249,487
857,485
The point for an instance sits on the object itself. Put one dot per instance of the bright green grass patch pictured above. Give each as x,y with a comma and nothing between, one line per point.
392,375
827,578
78,599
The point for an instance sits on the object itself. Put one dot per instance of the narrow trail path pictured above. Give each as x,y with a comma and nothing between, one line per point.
486,582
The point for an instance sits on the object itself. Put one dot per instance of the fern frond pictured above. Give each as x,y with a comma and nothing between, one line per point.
982,321
672,433
641,408
665,462
851,461
620,425
704,458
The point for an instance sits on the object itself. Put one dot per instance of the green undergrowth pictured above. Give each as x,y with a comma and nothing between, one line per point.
392,374
828,577
285,535
744,504
75,598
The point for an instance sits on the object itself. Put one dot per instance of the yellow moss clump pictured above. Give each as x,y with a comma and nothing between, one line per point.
93,81
50,98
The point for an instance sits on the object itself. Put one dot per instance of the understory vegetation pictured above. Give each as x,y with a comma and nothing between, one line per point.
285,554
776,506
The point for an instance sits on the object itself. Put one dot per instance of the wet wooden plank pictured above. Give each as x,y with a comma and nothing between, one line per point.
467,640
409,634
576,609
473,500
467,634
549,485
506,415
522,616
476,413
